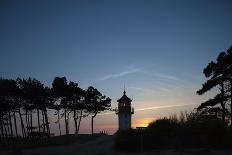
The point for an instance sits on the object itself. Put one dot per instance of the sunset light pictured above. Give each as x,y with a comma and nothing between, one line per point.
142,122
108,77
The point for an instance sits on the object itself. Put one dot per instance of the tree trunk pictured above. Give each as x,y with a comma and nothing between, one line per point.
223,112
92,124
38,117
231,103
43,119
65,121
75,120
79,122
27,123
47,123
15,125
1,125
22,125
31,123
92,117
11,127
223,104
68,122
5,128
58,113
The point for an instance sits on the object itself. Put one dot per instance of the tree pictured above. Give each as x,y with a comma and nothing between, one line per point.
60,93
71,100
7,92
76,104
96,103
36,97
219,75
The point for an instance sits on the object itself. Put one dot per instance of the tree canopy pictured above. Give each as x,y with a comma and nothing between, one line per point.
219,75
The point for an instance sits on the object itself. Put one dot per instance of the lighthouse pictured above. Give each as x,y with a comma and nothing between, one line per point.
124,112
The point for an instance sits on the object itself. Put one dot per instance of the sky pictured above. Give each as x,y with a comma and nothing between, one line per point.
156,48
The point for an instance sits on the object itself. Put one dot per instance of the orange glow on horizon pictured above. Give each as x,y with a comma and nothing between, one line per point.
142,122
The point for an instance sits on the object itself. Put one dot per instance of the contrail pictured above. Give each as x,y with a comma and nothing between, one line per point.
165,106
157,107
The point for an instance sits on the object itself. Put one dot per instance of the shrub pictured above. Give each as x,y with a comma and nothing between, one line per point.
192,130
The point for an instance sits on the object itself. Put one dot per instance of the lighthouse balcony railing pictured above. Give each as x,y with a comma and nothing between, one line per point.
117,111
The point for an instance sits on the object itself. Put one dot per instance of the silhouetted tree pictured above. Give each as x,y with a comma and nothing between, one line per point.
71,100
96,103
76,104
60,92
9,107
22,101
36,97
219,75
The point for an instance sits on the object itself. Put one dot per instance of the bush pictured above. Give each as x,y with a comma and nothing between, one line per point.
192,130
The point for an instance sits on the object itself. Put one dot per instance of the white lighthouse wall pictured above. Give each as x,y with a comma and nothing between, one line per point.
124,121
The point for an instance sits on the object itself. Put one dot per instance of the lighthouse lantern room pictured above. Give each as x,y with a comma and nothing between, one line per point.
124,112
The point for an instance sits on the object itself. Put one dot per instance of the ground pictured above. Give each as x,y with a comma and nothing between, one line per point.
102,145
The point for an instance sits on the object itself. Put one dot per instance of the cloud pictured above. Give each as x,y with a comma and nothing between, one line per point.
149,90
165,76
166,82
110,76
165,106
161,76
156,107
161,88
142,89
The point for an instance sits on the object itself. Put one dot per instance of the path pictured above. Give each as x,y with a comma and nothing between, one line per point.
102,145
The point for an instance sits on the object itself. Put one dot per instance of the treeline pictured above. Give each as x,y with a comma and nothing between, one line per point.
24,105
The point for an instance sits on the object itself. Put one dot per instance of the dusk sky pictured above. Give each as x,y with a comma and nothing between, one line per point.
157,49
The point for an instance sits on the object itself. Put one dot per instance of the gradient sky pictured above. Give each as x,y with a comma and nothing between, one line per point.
157,48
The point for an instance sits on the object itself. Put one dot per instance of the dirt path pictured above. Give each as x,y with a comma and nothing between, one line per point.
102,145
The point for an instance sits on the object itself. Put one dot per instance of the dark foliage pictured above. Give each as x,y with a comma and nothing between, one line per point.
195,130
22,101
219,75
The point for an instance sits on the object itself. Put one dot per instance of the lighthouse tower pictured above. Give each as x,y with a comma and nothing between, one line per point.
124,112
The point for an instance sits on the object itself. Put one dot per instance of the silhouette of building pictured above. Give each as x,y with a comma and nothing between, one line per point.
124,112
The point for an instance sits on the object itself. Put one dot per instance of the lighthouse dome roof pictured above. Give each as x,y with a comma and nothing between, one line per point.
124,98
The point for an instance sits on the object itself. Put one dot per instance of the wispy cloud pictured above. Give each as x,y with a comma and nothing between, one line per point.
166,76
165,82
165,106
110,76
162,88
156,107
142,89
